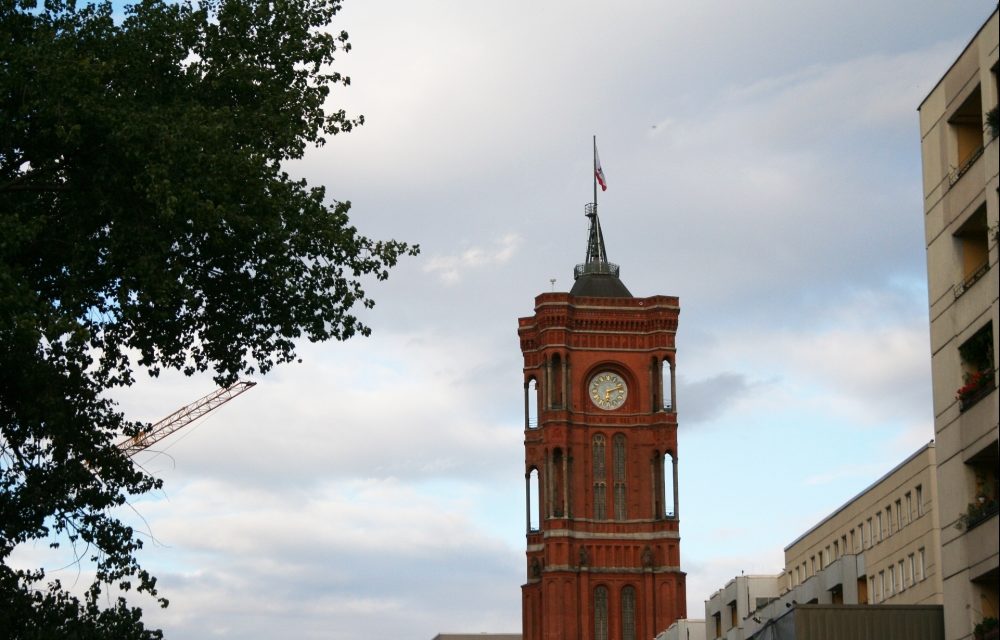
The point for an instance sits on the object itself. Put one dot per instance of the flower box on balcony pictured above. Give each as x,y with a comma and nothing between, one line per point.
978,385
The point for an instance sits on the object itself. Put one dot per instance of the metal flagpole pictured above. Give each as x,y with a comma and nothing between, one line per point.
595,173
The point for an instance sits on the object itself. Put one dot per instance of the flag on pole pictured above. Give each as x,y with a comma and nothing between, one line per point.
598,172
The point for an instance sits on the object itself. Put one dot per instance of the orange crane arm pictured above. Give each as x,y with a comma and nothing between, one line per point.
182,417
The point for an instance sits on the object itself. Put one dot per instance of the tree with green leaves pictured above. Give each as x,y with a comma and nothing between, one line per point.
146,223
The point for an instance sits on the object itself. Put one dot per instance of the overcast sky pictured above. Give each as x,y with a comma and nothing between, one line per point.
763,164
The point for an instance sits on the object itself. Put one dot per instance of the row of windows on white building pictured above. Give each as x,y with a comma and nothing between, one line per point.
881,525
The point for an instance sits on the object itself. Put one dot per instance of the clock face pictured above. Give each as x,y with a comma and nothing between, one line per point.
607,390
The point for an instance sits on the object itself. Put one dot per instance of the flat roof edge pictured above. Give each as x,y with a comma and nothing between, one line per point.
958,57
899,466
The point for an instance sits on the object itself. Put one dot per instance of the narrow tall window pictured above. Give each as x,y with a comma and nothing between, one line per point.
921,564
531,404
601,613
557,499
668,481
888,517
667,392
628,613
909,507
913,569
899,515
600,478
878,527
920,500
534,500
621,511
899,575
556,375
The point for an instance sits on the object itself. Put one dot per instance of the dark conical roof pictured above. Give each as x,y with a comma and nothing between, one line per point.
597,277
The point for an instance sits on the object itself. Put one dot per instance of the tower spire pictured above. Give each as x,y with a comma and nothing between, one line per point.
597,254
596,276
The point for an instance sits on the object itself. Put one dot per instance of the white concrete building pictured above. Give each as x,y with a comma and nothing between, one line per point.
960,160
880,547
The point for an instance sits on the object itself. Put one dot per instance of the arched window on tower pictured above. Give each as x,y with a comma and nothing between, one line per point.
628,613
557,499
667,388
533,500
600,477
618,461
667,468
556,375
531,404
656,472
601,613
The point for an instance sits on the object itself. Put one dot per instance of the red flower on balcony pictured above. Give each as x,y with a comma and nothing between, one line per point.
977,385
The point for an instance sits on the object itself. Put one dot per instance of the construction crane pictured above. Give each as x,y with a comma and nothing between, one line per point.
181,418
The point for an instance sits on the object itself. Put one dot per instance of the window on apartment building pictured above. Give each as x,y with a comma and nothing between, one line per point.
967,127
983,504
795,580
899,575
843,544
899,515
718,623
976,355
909,507
920,500
921,564
972,243
881,585
878,527
812,561
854,545
871,589
911,560
888,517
836,549
824,558
891,582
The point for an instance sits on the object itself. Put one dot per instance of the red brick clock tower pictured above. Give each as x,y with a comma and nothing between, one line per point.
600,444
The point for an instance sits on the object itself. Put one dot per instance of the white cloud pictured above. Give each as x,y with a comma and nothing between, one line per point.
453,268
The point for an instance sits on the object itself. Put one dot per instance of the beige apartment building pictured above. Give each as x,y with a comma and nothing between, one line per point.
960,158
879,548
